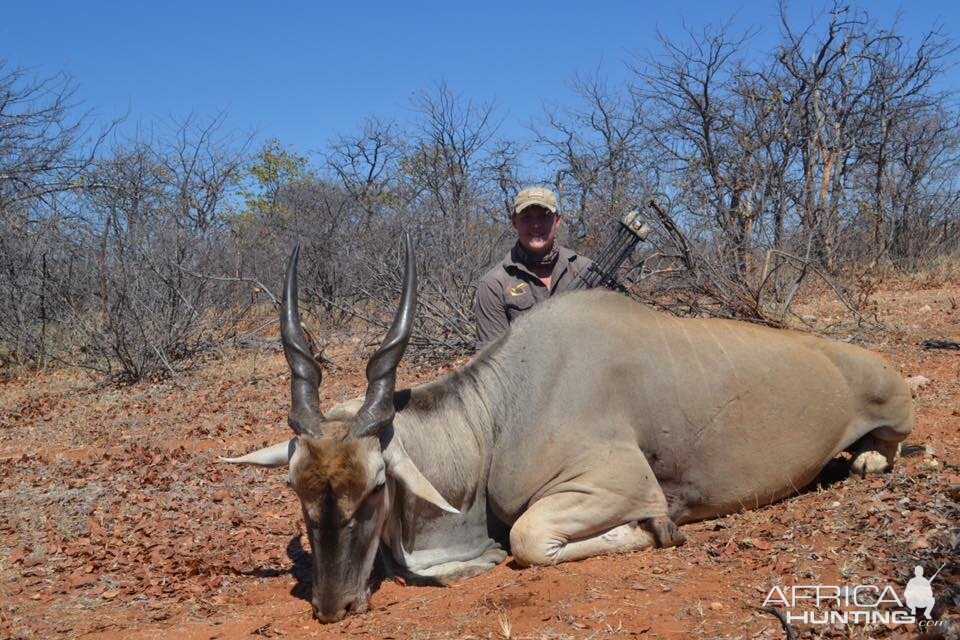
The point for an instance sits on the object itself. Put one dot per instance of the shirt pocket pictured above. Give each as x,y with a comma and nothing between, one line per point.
518,303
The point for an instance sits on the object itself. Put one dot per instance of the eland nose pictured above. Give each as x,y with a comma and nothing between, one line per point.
326,614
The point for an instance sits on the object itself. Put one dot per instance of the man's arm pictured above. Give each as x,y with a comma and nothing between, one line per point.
490,313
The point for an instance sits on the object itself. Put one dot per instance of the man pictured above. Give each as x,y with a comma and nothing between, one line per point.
535,269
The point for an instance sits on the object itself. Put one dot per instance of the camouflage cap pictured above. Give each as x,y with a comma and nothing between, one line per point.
535,196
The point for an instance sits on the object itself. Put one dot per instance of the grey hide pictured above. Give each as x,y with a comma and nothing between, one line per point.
596,425
612,413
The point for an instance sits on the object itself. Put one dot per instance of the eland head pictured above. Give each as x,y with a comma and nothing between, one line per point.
344,468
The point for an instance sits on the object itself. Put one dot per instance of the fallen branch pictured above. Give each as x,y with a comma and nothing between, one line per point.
679,239
791,634
940,344
806,265
256,342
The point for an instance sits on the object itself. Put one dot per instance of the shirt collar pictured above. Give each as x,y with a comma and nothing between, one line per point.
520,256
564,257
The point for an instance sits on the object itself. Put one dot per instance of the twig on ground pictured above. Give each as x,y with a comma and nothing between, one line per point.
787,628
940,344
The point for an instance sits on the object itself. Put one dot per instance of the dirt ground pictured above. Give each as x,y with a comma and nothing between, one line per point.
118,521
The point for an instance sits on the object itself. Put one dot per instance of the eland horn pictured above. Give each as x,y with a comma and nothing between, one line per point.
305,374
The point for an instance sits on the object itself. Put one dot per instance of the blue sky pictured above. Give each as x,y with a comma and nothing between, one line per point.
304,72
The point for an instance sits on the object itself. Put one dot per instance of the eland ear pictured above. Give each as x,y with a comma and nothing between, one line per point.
405,471
276,455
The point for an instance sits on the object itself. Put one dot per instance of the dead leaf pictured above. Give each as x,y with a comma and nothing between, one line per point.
83,580
32,560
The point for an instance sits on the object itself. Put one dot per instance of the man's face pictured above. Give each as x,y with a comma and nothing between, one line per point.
536,229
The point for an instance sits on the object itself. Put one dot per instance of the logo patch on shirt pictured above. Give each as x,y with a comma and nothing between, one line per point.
517,291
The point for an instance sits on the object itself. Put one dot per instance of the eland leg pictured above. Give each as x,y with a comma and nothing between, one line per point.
876,452
445,573
616,508
879,448
448,572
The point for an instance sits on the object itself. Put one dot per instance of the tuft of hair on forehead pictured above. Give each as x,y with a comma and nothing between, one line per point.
338,464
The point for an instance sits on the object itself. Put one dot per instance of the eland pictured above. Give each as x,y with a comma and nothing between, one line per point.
595,425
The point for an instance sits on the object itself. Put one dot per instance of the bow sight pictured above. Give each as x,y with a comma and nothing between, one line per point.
630,230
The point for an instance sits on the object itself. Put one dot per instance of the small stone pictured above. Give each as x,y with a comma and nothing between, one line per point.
716,606
925,309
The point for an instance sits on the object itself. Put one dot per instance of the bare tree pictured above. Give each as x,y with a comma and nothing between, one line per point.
849,90
42,159
831,155
703,131
448,148
444,181
124,275
367,166
596,149
40,137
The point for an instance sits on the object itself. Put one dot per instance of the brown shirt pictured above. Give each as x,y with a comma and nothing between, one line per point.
511,289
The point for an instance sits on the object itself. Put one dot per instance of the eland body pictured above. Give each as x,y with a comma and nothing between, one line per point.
596,425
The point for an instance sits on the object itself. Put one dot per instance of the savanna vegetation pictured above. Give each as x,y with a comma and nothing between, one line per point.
825,161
